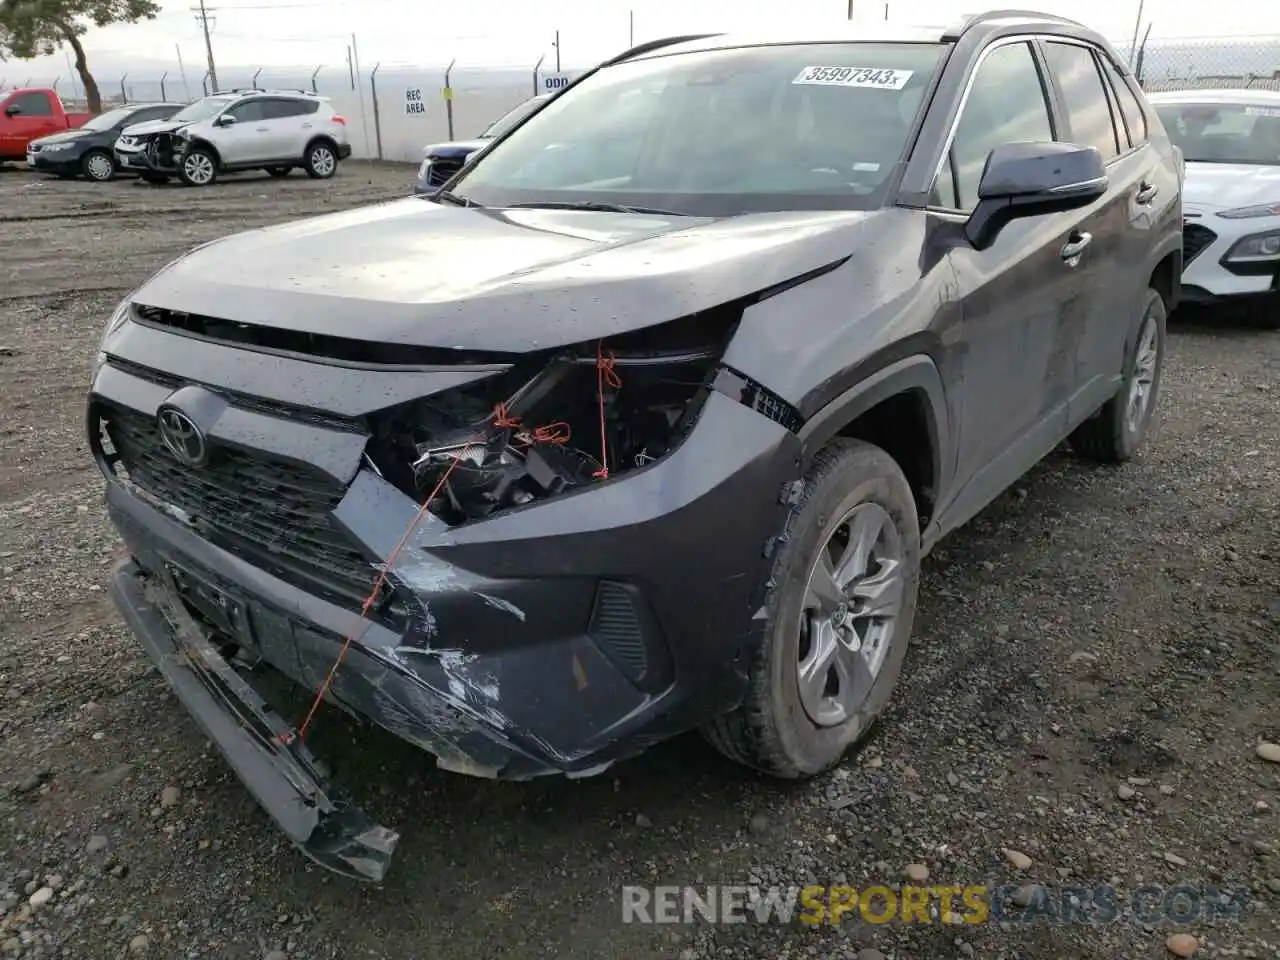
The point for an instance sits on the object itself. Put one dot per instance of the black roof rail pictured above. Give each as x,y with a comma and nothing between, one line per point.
310,93
953,33
651,45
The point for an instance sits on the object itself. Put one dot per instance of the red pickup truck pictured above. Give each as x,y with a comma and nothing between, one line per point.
29,114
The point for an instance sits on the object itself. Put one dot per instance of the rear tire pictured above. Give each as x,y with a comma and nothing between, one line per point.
321,161
198,167
1115,432
98,166
804,709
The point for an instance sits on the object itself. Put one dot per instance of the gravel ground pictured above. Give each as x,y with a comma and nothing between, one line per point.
1095,669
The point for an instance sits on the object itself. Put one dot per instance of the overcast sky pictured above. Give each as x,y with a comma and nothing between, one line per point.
305,32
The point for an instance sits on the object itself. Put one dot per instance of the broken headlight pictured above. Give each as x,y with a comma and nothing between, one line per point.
553,422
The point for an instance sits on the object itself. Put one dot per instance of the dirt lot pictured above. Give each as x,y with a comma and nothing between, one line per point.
1091,627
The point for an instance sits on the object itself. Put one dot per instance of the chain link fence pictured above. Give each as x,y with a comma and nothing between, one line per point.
1252,63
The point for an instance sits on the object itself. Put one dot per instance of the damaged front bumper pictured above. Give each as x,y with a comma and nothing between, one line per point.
558,637
261,747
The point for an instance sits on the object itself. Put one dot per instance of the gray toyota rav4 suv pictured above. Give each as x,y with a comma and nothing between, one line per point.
642,423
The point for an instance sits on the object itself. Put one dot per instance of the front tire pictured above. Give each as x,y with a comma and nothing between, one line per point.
198,167
1115,432
321,161
838,617
98,166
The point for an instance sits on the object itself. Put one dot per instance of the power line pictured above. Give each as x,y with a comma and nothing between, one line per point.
202,18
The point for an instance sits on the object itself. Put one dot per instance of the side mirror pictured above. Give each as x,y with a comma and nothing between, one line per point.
226,120
12,110
1030,179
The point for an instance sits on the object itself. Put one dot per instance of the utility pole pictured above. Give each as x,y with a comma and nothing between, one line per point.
556,44
850,9
202,18
182,68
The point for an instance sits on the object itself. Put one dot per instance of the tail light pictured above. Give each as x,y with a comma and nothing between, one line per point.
340,119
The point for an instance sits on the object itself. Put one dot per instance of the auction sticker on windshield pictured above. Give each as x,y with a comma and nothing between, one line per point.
879,77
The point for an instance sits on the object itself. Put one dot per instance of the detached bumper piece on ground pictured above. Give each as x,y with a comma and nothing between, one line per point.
263,750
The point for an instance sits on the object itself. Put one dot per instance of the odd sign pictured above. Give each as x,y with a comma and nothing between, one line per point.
552,82
413,101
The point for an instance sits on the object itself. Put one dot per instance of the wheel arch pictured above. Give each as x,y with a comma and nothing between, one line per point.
902,409
1166,277
321,138
205,145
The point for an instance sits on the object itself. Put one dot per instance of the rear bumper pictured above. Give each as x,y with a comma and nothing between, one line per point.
277,769
344,151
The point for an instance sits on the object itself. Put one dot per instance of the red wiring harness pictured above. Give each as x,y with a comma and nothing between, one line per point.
606,375
557,432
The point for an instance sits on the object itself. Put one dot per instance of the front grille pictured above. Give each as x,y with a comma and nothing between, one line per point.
272,513
442,170
1194,240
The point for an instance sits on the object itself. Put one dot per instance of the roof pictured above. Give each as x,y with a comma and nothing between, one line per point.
1193,95
994,21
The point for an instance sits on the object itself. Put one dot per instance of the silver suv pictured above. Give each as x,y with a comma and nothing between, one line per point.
272,130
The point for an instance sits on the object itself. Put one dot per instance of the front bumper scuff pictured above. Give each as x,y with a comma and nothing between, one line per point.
261,747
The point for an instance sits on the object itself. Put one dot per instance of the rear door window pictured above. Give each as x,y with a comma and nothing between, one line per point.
282,109
1088,111
1134,117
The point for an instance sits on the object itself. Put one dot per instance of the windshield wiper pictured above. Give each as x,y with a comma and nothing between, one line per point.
444,196
593,205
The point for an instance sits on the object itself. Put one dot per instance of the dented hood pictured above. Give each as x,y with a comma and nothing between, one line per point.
417,272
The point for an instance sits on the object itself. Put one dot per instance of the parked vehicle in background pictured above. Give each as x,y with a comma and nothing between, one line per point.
644,424
90,150
272,130
440,161
1230,140
30,113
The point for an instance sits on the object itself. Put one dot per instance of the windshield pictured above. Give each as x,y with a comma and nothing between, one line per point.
511,118
201,109
714,133
1224,132
105,121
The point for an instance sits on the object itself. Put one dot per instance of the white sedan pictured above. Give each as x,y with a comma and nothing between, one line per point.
1231,200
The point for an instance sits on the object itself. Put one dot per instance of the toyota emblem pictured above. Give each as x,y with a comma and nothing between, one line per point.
182,437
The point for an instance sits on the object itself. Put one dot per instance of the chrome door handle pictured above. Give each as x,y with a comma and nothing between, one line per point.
263,129
1074,247
1146,193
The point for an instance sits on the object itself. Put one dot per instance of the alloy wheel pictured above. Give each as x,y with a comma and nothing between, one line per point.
198,168
853,597
322,161
1142,379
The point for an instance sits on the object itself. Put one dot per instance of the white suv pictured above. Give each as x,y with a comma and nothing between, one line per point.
272,130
